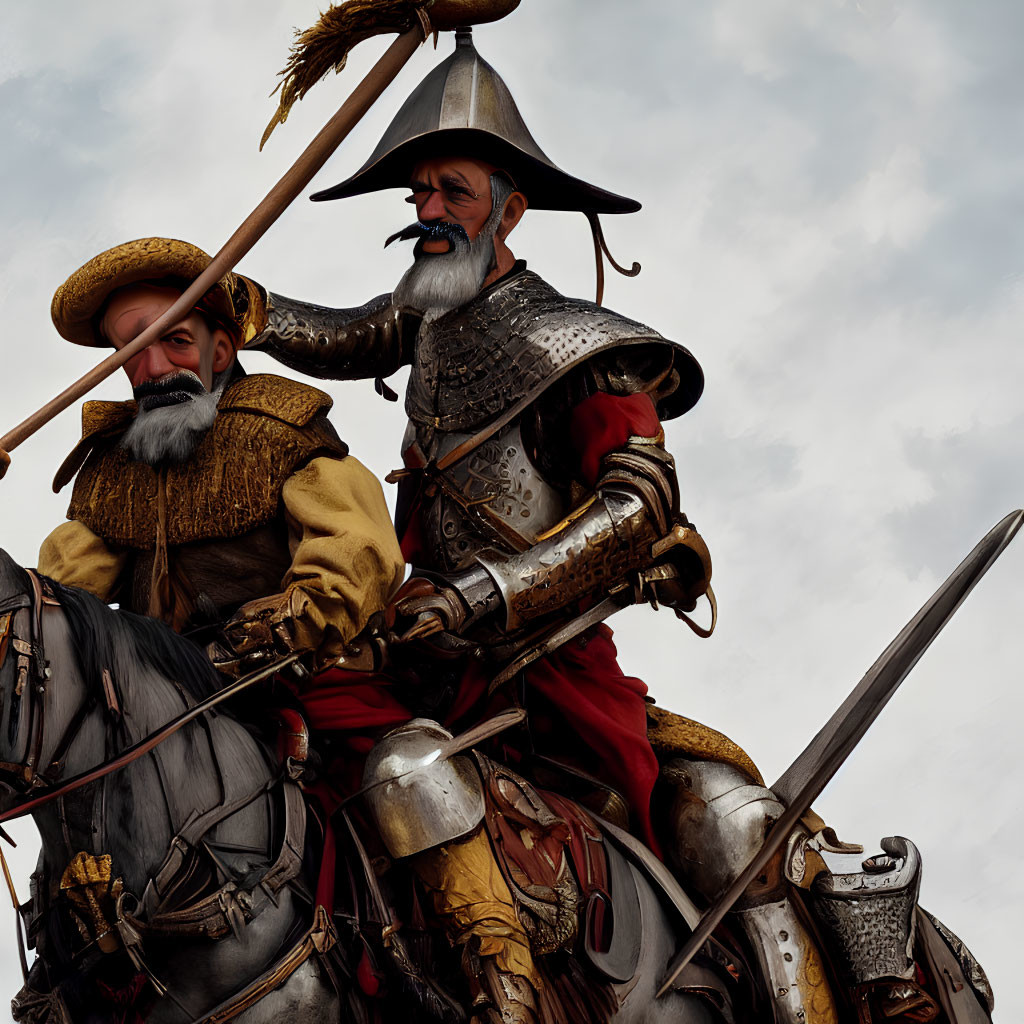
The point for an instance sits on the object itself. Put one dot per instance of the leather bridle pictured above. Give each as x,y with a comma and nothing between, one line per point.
21,625
21,631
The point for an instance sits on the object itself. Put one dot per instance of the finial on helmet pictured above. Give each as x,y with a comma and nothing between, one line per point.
326,45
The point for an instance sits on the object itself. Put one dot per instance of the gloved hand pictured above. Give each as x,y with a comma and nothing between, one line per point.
92,892
262,631
422,608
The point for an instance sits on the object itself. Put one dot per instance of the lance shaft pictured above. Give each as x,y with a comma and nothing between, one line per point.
277,200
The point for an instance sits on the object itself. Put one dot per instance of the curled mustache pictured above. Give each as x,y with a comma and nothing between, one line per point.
175,388
432,231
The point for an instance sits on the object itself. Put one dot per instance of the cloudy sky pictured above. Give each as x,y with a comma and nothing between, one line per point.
831,222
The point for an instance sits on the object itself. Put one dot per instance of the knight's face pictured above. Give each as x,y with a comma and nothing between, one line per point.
454,190
191,347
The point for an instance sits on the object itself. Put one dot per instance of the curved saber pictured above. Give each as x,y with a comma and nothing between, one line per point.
808,775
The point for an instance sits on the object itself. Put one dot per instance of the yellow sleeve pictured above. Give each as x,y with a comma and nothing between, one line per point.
75,556
346,562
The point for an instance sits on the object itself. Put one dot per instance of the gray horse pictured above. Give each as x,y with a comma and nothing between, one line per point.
205,810
112,680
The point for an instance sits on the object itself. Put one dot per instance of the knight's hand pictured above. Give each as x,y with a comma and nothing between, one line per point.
421,609
259,633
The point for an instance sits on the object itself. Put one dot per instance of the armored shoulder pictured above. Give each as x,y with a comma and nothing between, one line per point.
499,353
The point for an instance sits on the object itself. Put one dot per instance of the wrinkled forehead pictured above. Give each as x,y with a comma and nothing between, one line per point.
470,171
132,309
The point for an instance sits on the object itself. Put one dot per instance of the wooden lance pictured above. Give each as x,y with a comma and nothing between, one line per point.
427,16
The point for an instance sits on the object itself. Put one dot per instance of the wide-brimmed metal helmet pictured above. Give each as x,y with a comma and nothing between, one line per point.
463,108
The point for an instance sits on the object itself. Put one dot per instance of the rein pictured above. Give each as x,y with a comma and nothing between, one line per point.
148,743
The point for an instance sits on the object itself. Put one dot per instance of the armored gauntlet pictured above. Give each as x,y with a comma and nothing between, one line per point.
612,539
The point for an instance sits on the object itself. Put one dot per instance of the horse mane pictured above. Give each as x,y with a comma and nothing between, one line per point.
103,637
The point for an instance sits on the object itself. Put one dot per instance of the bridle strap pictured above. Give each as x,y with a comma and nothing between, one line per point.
144,746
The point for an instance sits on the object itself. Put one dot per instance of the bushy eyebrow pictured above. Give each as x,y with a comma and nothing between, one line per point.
454,178
449,178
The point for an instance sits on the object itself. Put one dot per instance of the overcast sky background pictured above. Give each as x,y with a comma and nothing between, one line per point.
831,223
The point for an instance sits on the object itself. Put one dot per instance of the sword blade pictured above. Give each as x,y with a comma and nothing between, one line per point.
804,780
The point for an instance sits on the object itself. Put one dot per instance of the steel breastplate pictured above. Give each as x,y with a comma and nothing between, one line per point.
495,498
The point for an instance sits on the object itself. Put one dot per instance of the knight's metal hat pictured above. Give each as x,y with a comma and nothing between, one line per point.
464,108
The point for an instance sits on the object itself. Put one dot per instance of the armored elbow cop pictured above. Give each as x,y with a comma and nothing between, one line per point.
628,532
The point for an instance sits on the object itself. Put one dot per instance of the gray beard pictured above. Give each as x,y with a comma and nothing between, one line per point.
170,433
439,282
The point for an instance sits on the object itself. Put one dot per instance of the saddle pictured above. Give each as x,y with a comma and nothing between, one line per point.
573,878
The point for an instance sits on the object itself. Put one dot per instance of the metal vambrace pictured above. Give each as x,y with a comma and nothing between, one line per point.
333,344
594,549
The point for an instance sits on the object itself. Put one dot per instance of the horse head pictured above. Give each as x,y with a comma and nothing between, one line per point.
82,684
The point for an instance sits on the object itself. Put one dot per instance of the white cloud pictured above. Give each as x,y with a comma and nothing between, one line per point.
893,204
829,223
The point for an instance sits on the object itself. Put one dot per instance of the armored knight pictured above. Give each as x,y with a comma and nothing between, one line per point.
537,495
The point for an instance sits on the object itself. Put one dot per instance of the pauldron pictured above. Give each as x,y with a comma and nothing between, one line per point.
502,349
494,356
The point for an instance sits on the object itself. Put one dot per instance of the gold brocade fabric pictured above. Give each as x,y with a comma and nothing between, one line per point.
672,735
471,897
321,550
265,428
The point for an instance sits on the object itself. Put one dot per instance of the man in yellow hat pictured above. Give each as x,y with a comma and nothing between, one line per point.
213,495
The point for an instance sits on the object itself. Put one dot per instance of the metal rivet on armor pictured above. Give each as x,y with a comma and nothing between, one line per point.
787,957
784,936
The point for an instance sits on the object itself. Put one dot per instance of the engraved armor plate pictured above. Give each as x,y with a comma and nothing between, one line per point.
494,498
868,917
511,343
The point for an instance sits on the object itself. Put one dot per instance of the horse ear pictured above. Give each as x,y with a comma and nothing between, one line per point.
12,576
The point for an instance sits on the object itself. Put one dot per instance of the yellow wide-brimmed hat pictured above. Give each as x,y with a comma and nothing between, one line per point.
235,302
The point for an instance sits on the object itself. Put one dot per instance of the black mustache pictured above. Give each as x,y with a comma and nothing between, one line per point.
435,230
170,390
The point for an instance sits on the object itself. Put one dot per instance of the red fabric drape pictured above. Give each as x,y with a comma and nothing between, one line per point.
583,708
581,704
602,423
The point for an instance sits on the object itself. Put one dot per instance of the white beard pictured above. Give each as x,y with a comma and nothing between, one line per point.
170,433
439,282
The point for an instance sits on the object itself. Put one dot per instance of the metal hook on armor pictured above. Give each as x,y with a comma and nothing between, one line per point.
601,249
702,631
